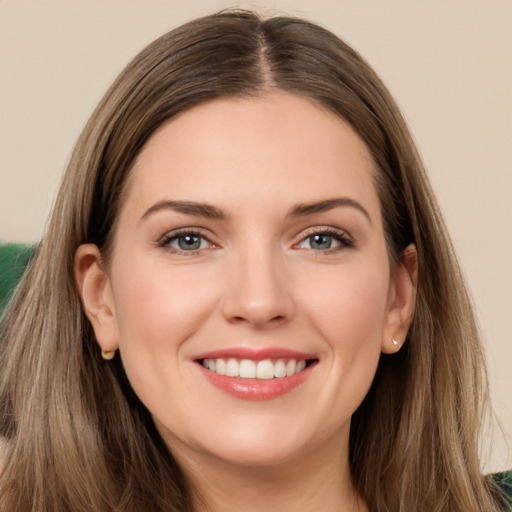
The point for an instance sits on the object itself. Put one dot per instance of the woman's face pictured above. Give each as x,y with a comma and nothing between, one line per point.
250,241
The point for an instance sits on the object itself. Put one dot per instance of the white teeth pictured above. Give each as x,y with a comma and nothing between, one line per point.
249,369
300,366
220,366
265,369
280,368
232,368
290,367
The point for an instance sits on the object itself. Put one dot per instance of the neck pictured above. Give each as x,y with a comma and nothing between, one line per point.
318,481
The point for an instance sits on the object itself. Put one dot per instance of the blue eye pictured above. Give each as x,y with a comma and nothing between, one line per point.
186,242
320,242
325,241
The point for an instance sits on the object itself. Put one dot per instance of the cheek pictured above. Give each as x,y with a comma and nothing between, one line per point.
159,308
345,307
350,305
349,311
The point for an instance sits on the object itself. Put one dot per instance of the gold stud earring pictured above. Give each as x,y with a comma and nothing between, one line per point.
108,354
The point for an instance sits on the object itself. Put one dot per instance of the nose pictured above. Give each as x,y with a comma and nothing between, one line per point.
259,291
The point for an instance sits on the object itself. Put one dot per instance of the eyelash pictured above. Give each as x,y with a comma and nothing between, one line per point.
336,234
175,235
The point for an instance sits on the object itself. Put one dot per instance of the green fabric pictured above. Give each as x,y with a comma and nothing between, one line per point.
504,481
13,261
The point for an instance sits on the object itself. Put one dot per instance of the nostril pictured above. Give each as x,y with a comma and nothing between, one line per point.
277,318
254,320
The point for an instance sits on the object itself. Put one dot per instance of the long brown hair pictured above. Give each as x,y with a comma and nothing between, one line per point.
77,438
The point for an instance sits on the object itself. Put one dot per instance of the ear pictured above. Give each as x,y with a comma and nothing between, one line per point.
401,301
95,291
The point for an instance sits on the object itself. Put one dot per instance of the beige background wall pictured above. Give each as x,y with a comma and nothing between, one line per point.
448,62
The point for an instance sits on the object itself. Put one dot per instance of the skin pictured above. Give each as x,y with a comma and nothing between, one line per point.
257,280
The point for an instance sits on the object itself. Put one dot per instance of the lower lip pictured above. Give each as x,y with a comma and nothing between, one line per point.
257,389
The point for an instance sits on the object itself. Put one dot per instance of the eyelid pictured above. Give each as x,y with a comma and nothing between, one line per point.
165,240
325,229
340,235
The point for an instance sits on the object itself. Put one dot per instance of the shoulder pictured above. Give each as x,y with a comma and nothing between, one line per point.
503,481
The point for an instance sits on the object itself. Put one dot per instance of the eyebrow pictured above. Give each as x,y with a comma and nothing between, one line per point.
303,209
187,208
212,212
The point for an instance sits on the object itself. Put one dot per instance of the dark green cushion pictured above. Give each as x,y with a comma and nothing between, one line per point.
504,481
13,261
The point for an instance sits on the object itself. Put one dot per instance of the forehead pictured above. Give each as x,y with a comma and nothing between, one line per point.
276,147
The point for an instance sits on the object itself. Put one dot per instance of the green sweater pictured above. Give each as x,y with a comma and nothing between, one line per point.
14,259
504,481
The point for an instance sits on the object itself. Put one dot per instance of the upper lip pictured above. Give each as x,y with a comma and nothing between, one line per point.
255,354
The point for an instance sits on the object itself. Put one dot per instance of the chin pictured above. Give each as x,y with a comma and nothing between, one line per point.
252,455
271,443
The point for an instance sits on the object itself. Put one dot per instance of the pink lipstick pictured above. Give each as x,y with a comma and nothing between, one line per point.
256,374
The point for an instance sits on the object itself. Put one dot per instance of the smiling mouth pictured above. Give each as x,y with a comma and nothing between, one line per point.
265,369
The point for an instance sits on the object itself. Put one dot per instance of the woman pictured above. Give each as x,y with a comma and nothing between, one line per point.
246,297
